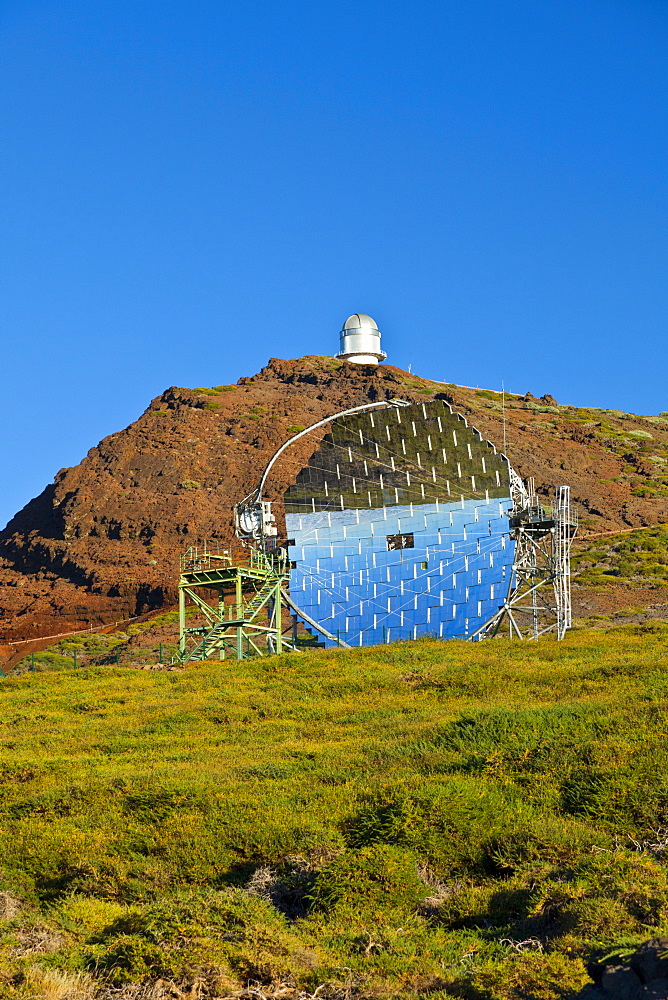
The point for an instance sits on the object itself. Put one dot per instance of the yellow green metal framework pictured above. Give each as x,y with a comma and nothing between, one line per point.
242,627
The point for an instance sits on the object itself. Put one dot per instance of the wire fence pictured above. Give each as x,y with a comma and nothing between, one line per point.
165,655
162,655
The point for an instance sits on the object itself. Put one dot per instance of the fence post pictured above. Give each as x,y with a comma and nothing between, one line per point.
32,661
160,654
75,658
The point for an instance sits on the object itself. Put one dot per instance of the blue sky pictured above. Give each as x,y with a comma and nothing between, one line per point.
190,188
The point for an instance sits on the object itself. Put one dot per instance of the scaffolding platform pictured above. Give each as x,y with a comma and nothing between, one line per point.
250,622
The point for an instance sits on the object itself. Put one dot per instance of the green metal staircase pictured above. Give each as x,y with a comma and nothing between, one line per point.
231,629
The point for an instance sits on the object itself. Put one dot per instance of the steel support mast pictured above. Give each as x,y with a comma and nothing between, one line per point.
539,593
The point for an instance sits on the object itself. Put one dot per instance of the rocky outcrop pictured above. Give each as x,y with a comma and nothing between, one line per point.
643,976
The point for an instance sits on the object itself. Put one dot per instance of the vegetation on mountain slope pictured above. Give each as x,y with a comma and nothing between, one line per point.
423,819
639,557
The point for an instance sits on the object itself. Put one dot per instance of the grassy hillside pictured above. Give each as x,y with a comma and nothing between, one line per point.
415,820
639,557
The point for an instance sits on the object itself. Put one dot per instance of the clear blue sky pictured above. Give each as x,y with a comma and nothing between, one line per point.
189,188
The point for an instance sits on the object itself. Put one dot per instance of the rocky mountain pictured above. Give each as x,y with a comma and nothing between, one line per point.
102,542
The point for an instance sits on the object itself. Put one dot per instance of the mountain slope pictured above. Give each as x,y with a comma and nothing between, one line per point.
102,542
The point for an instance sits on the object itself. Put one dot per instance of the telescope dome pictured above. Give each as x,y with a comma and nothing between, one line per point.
360,341
360,320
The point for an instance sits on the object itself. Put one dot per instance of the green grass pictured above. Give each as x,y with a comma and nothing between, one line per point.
637,557
423,819
100,649
256,413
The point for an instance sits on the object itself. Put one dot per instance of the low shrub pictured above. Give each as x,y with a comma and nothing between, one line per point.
379,876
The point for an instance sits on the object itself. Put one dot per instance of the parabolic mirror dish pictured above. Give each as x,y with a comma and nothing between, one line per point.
398,527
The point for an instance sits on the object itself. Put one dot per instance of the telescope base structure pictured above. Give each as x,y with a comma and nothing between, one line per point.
253,613
539,596
250,623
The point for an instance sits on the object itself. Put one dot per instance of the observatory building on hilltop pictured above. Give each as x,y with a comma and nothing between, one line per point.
400,522
360,341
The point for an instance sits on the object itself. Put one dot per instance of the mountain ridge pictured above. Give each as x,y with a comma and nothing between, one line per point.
102,541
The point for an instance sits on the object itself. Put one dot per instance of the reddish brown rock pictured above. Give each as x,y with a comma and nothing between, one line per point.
102,542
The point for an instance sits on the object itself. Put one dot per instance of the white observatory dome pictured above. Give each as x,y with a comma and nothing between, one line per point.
360,341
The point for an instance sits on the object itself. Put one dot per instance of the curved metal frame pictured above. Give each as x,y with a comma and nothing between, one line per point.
254,503
257,494
307,618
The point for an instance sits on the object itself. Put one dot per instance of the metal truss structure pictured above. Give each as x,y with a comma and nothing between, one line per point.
259,617
242,627
539,595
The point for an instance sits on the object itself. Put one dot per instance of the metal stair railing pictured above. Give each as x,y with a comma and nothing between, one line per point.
249,612
210,637
257,603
